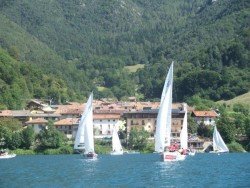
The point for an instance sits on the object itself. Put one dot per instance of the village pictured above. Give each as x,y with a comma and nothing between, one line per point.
107,113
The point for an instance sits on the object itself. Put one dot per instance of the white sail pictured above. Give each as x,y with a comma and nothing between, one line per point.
116,144
79,140
218,143
184,131
88,126
163,124
166,84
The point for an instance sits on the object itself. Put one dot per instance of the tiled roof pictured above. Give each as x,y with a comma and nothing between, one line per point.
21,113
67,121
5,113
205,113
37,120
107,116
74,108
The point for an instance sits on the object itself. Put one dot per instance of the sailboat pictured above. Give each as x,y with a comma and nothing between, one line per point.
79,140
219,145
184,133
116,144
85,137
163,125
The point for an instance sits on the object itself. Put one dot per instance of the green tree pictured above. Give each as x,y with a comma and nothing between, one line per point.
28,137
205,130
50,137
192,125
138,139
227,128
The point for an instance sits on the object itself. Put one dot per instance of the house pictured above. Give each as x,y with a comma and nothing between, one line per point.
70,110
207,117
147,117
68,126
35,104
38,124
104,123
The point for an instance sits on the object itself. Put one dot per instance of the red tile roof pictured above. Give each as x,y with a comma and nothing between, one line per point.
107,116
74,108
67,121
205,113
5,113
37,120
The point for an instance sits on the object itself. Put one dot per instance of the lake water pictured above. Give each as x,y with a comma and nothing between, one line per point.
134,170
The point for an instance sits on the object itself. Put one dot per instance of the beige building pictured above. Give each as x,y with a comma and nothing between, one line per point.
147,119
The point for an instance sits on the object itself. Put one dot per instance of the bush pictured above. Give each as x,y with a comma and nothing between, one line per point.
24,152
66,150
235,147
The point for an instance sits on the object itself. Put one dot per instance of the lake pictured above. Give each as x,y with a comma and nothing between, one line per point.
130,170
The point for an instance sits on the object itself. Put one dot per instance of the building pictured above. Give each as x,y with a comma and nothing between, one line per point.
206,117
68,126
38,124
70,110
104,123
147,118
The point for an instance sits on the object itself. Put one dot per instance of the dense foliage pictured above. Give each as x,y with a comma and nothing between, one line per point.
233,124
138,139
50,138
77,46
13,136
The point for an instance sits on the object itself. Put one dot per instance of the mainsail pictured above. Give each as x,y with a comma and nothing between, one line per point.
116,144
184,131
79,140
218,143
163,124
88,126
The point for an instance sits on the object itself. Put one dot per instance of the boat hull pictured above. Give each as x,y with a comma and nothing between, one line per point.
90,156
191,153
117,153
173,156
8,156
218,152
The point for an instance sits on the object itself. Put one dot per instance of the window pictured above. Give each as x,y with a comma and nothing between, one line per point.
143,123
114,120
109,120
132,122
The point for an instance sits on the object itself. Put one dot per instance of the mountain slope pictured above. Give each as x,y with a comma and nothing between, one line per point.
90,42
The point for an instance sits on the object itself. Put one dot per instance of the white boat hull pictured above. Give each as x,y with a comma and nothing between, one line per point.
218,152
173,156
8,156
117,153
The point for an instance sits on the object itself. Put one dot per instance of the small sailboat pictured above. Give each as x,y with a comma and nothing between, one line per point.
163,126
88,130
79,139
86,134
219,145
184,133
116,144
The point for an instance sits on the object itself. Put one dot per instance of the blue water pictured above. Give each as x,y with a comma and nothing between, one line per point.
135,170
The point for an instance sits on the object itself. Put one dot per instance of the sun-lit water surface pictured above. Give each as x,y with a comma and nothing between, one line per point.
134,170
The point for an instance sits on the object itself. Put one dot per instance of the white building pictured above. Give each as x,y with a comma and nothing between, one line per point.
207,117
104,124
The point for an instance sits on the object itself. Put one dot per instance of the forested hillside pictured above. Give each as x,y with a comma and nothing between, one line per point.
87,44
